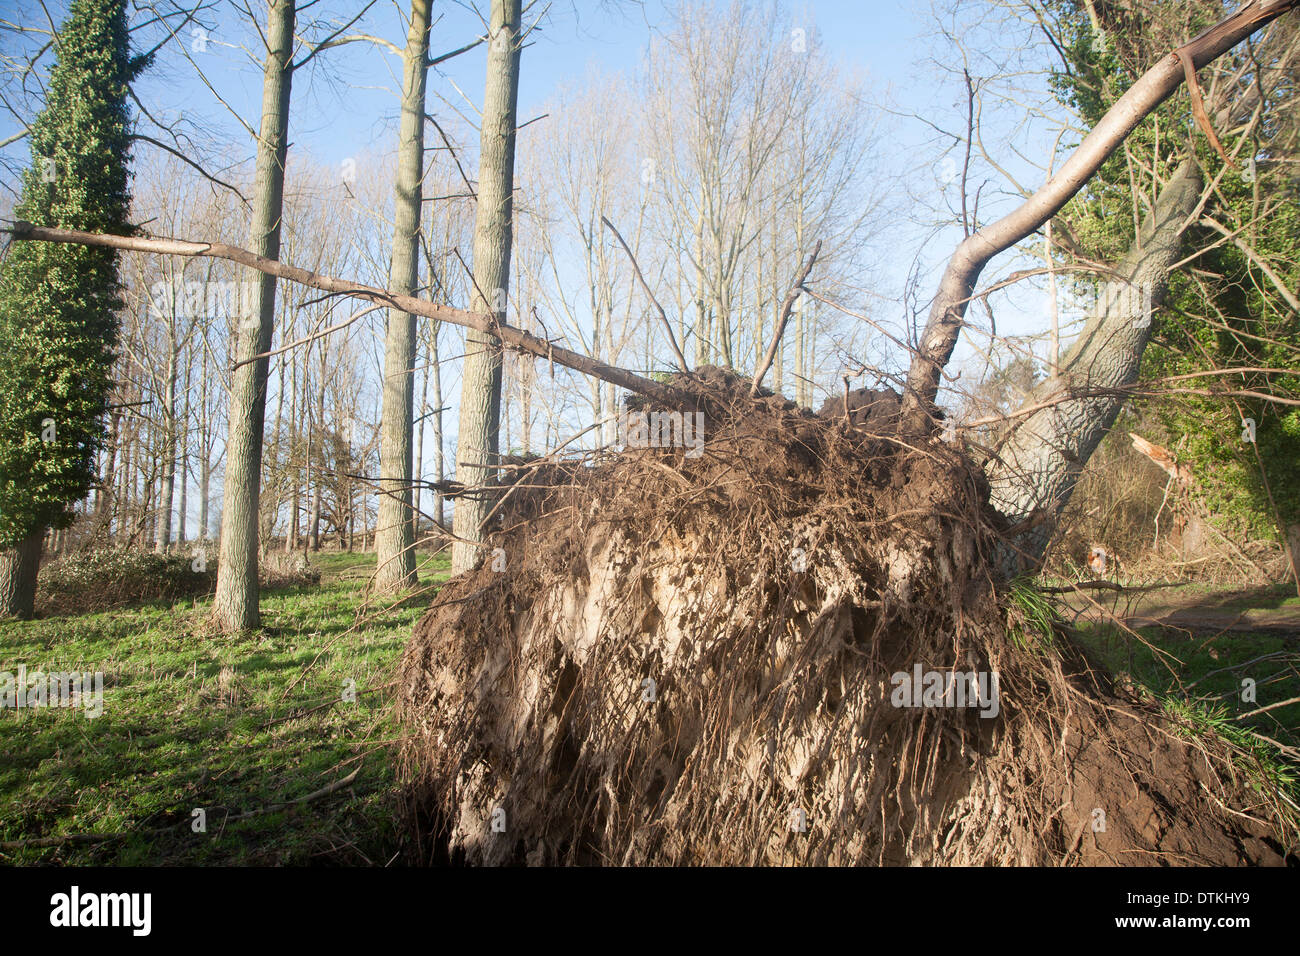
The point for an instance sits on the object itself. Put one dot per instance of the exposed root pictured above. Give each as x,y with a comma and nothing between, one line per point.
692,660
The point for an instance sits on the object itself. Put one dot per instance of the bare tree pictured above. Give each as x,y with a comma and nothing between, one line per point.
394,537
480,400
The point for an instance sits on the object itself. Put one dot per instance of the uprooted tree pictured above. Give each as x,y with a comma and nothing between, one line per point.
803,640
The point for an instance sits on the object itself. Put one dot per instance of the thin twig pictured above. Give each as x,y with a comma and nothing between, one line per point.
311,338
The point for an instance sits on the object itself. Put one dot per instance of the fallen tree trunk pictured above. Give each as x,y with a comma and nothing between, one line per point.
509,335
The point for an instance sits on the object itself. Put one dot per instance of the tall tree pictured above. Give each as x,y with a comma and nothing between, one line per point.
395,535
58,304
480,396
235,603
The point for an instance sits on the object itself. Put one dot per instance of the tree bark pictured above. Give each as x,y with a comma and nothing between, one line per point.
394,540
1036,470
182,466
18,570
163,527
205,454
440,465
480,402
235,604
417,457
320,472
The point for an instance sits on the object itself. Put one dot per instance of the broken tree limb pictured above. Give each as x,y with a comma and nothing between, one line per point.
1179,471
786,307
947,312
508,335
1198,107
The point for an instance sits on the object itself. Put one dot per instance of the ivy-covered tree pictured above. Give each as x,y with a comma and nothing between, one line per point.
59,302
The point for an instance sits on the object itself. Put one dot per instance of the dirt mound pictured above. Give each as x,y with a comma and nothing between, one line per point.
784,646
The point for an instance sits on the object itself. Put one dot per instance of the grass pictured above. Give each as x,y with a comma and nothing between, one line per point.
1208,670
1212,685
1033,619
1201,681
1246,598
194,720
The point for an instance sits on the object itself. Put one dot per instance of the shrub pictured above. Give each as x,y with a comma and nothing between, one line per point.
104,578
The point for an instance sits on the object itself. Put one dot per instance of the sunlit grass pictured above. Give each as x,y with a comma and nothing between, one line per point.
229,724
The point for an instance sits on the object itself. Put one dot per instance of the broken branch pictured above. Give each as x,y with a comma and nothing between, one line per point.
487,324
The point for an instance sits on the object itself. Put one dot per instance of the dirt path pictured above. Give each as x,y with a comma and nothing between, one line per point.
1259,610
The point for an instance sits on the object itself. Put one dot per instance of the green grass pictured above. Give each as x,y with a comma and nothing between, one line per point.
231,724
1033,618
1199,682
1206,673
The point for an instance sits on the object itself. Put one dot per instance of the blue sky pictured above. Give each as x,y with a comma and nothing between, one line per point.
336,118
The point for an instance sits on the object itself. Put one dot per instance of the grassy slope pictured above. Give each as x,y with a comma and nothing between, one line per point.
191,719
1198,681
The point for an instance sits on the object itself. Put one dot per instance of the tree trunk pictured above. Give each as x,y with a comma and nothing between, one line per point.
182,471
480,402
205,495
18,567
126,483
394,539
320,472
440,464
291,536
417,457
205,455
108,475
166,494
1037,468
235,604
